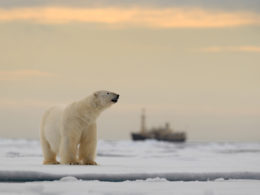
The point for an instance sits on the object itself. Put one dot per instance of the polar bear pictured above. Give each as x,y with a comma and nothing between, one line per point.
70,131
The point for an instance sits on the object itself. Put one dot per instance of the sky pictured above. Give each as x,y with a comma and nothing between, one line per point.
194,64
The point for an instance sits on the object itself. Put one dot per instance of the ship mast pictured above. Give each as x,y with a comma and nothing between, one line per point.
143,128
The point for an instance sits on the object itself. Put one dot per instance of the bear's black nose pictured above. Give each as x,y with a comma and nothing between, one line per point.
115,99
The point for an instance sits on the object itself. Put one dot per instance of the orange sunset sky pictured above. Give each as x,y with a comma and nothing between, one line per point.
195,64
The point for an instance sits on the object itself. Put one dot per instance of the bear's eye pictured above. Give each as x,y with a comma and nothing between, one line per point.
107,93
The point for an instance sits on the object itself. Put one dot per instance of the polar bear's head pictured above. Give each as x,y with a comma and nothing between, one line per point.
104,99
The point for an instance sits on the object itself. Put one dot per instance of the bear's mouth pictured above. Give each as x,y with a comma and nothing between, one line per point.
115,99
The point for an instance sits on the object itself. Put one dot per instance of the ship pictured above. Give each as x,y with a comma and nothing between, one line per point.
158,133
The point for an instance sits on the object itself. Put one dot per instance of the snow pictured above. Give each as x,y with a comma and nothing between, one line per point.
149,186
127,167
123,157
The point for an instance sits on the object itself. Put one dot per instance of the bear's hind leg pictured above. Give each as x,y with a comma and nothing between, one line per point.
48,154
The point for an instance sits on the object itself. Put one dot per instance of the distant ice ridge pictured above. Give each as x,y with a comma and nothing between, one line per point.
153,148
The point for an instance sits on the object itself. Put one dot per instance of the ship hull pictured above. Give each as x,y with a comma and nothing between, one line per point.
171,138
138,136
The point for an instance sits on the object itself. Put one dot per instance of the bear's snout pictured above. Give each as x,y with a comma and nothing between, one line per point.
115,99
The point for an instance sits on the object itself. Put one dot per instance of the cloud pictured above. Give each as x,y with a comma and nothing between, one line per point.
135,16
252,5
218,49
23,74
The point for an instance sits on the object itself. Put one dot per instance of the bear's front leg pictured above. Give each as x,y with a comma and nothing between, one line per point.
88,144
68,151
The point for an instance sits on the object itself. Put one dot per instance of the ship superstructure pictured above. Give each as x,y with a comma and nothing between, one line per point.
159,133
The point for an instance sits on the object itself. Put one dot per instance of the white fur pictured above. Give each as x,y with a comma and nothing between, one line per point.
70,131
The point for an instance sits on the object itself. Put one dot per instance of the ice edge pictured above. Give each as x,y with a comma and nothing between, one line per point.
29,176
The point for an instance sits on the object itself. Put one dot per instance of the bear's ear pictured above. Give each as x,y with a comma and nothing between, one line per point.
95,94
